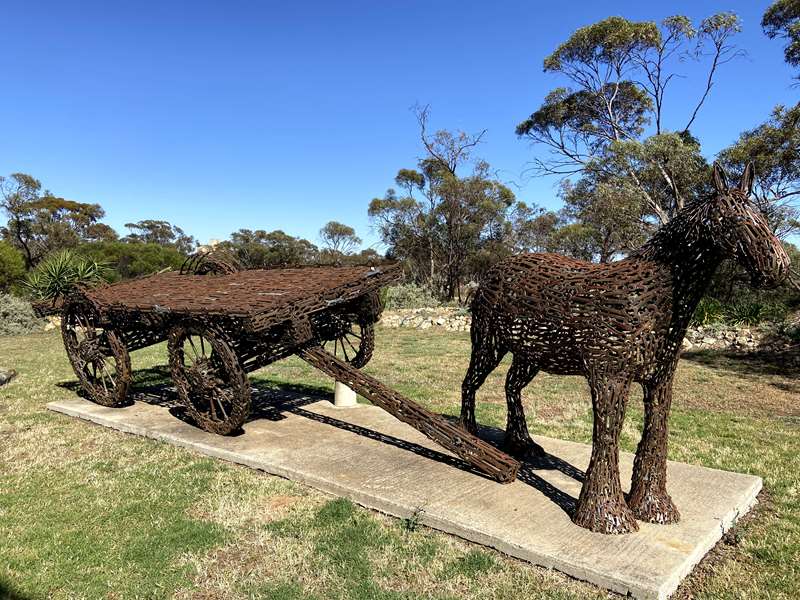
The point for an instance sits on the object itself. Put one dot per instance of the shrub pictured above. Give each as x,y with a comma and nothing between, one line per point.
409,295
751,312
17,316
132,259
60,273
708,312
12,265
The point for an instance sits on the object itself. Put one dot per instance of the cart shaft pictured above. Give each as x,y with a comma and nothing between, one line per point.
481,455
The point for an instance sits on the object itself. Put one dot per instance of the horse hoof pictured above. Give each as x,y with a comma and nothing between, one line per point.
468,426
609,519
524,449
655,508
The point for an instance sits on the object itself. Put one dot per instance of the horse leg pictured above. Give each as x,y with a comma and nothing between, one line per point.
649,499
518,441
486,355
601,505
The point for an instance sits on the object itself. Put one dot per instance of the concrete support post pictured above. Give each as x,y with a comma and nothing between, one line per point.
343,396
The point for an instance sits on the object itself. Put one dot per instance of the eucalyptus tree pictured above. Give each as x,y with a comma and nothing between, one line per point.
782,20
447,218
339,239
163,233
40,222
774,148
609,125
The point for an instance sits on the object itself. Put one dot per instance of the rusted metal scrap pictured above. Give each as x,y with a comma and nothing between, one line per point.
221,323
616,324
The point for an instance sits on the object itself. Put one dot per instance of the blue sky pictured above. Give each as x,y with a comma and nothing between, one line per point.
222,115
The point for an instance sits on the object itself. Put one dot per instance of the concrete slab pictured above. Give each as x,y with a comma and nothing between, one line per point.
368,456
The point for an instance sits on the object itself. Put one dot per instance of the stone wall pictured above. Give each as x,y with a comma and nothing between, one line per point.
717,337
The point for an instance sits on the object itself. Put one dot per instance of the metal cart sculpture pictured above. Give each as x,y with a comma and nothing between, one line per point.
221,324
615,324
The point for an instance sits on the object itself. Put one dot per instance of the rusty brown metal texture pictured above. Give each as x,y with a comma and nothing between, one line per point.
615,324
259,298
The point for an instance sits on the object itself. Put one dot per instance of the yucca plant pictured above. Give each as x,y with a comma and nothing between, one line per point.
62,272
745,312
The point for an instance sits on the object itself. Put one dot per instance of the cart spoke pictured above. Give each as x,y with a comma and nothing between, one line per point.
194,349
347,339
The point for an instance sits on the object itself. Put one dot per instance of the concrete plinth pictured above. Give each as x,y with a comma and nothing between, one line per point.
343,396
381,463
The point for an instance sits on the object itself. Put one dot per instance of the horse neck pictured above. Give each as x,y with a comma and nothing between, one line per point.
687,261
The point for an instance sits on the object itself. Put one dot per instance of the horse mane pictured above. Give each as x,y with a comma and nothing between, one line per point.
680,234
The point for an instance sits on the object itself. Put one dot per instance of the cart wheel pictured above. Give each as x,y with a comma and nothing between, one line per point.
355,344
98,356
211,383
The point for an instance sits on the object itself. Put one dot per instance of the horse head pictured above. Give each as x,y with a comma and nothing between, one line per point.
739,231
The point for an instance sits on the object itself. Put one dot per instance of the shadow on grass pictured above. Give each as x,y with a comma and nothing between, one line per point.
9,592
274,401
752,365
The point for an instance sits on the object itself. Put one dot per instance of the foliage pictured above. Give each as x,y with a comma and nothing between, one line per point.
748,312
604,216
608,129
12,265
782,20
740,312
339,239
708,312
60,273
260,249
409,295
17,316
40,223
774,149
126,260
163,233
445,225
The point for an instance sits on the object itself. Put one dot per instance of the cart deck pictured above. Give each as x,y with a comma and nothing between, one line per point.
258,299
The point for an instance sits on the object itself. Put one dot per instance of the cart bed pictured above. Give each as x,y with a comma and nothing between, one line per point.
259,298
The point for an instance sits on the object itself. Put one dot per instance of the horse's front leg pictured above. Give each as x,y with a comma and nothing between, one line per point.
649,499
487,353
601,505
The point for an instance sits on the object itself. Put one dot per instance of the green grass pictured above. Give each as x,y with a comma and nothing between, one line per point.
87,512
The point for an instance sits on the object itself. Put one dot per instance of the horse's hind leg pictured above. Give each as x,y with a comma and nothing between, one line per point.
518,441
487,353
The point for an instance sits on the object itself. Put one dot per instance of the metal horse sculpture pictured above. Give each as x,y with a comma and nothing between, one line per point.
616,324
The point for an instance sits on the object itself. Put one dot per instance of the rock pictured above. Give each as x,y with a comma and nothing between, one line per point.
7,375
53,322
687,345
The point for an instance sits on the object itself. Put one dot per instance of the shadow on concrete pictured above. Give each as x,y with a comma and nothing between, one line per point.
274,402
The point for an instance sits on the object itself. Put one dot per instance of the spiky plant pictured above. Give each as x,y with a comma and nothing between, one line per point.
62,272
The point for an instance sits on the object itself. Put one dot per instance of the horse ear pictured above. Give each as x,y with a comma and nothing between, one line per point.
746,184
720,178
